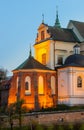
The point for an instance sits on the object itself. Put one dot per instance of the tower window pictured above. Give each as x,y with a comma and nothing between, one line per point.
79,82
42,35
44,59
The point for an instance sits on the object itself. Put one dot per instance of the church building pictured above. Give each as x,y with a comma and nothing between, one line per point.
55,74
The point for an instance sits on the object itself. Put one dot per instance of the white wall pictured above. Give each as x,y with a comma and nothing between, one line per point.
69,93
63,49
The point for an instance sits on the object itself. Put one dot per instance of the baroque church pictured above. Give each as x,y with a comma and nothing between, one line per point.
55,75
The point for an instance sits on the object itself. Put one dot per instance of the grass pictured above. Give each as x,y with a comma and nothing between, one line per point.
51,127
62,107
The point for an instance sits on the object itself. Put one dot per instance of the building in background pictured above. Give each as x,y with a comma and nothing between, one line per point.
56,73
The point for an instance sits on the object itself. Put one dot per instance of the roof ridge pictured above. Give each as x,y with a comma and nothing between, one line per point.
76,21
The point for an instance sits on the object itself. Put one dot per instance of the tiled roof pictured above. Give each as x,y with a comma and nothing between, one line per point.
75,60
31,63
79,26
62,34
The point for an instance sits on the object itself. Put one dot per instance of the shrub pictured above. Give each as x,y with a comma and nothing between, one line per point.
60,127
82,127
70,127
51,127
39,127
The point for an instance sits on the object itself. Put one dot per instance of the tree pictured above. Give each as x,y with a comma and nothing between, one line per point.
4,85
11,113
14,111
19,110
3,74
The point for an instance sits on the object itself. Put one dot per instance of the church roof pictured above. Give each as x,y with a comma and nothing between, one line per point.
62,34
79,26
31,63
75,60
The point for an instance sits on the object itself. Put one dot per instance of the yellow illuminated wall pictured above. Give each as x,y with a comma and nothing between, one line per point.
42,45
42,48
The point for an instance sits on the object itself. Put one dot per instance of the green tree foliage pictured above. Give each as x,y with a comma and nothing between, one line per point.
3,74
82,127
19,110
10,112
15,110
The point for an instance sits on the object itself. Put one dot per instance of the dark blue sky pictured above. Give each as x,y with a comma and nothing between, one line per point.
19,20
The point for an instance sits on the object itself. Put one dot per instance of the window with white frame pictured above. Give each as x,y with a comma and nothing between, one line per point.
79,82
27,85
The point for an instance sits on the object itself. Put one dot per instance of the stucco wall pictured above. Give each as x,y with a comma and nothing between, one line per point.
68,92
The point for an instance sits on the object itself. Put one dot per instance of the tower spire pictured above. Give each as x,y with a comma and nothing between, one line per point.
30,53
57,23
42,18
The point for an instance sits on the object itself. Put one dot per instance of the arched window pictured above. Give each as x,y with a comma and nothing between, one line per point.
40,85
79,82
42,35
52,85
44,59
27,85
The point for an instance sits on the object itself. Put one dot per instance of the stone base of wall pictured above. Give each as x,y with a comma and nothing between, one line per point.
47,118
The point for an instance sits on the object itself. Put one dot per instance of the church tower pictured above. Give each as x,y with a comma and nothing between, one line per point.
53,43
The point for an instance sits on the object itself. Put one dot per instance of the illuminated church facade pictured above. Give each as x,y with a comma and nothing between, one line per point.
55,75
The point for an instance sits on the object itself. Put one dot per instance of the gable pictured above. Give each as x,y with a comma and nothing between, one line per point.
42,33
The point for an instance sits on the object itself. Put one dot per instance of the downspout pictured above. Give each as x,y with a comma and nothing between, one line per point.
54,54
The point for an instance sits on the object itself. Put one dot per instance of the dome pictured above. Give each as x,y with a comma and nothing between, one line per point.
75,60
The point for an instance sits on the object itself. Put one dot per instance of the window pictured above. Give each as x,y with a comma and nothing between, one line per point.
52,85
60,60
42,35
79,82
27,85
44,59
40,85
